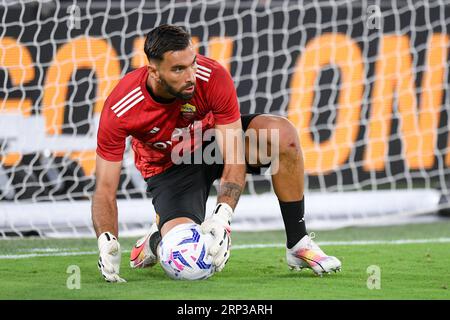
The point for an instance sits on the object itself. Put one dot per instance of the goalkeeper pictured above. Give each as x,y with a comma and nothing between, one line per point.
181,92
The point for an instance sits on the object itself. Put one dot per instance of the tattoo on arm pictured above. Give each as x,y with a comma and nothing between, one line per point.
229,193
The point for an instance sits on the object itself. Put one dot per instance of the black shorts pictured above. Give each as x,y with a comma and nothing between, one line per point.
182,190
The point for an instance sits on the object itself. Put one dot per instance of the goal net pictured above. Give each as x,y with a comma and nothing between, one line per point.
365,83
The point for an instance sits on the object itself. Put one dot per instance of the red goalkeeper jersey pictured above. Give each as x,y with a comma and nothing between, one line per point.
130,110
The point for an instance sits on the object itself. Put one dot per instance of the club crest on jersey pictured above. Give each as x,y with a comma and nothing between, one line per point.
188,111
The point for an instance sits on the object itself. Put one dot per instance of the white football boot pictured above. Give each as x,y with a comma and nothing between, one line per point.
307,254
141,255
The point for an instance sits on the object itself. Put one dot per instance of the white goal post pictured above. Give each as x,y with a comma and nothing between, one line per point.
365,82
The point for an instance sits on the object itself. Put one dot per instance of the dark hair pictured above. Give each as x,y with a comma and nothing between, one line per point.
165,38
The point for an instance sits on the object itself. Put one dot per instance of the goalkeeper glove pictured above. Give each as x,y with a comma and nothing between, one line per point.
109,260
219,226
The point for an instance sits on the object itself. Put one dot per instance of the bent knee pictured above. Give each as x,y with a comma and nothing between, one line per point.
288,139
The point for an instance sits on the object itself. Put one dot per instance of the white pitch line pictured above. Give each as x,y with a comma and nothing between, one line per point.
46,250
38,255
349,243
65,253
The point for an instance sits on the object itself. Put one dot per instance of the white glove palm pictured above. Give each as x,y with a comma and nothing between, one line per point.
110,256
219,226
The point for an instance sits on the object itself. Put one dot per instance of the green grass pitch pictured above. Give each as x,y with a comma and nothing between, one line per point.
408,270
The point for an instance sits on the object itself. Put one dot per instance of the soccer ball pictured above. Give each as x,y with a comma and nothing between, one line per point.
183,253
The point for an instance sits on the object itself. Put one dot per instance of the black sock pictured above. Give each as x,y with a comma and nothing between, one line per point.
294,223
154,241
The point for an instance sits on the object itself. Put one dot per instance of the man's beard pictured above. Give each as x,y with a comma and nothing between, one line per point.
175,93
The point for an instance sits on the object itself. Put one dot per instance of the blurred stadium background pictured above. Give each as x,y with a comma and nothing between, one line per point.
365,82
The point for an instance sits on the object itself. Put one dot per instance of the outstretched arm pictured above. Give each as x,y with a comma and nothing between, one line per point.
104,204
105,218
230,140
